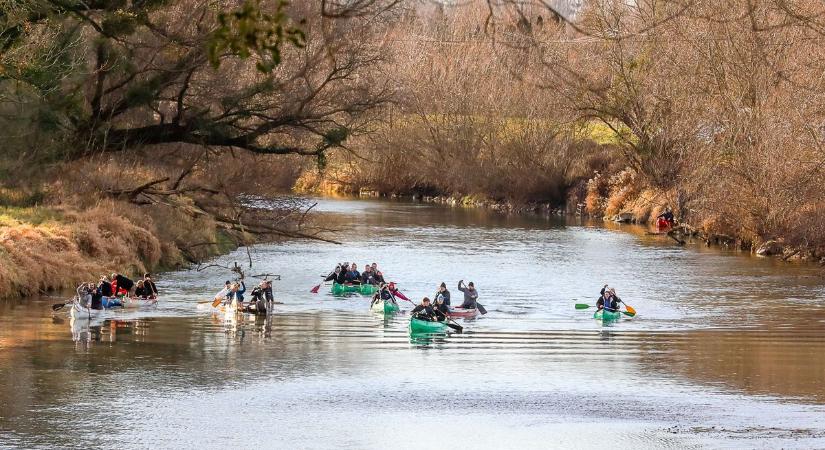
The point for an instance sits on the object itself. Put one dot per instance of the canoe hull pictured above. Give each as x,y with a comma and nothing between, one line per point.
363,289
607,316
139,302
425,326
384,307
465,313
83,313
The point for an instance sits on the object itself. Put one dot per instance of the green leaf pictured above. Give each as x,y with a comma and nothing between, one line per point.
249,31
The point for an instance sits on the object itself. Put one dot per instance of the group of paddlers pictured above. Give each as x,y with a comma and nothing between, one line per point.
233,293
346,273
109,291
440,310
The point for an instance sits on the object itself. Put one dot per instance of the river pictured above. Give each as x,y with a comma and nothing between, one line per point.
727,350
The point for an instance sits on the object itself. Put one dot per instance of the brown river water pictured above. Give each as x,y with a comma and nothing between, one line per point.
727,350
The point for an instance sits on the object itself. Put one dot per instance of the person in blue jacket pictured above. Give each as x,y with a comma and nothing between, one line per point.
236,293
353,275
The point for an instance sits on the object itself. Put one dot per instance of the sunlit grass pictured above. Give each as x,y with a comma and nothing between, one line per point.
35,215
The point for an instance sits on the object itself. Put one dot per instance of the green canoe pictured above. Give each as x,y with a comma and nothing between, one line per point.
426,326
607,316
385,307
363,289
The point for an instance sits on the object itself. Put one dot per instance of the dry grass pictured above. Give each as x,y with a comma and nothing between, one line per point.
57,254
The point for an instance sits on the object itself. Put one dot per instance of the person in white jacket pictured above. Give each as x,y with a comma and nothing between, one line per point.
224,293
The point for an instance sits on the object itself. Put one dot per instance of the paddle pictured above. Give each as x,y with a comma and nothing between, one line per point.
630,311
402,296
315,289
455,326
59,306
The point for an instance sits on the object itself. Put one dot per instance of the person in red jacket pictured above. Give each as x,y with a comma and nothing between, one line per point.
121,284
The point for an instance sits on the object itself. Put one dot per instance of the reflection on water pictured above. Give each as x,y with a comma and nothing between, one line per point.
727,351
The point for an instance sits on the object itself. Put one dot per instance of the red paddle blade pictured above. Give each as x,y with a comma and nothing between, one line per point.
401,296
315,289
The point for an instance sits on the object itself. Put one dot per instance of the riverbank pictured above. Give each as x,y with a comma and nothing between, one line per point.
625,205
46,248
76,221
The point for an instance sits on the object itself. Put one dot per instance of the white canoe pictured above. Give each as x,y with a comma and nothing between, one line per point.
79,312
384,307
233,309
139,302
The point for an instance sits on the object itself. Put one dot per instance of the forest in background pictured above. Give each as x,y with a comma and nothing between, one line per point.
135,132
713,110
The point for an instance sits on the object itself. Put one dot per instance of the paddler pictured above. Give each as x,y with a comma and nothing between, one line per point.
149,285
123,283
258,303
425,311
470,295
236,294
443,294
107,295
379,277
441,307
608,299
224,293
353,275
335,275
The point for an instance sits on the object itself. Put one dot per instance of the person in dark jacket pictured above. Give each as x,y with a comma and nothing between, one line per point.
470,295
140,290
149,286
123,282
334,275
425,311
608,299
379,277
386,293
258,304
441,307
366,275
443,294
97,297
107,294
667,216
340,276
353,275
105,287
268,296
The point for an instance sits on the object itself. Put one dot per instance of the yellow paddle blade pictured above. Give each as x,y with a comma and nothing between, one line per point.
216,302
630,309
